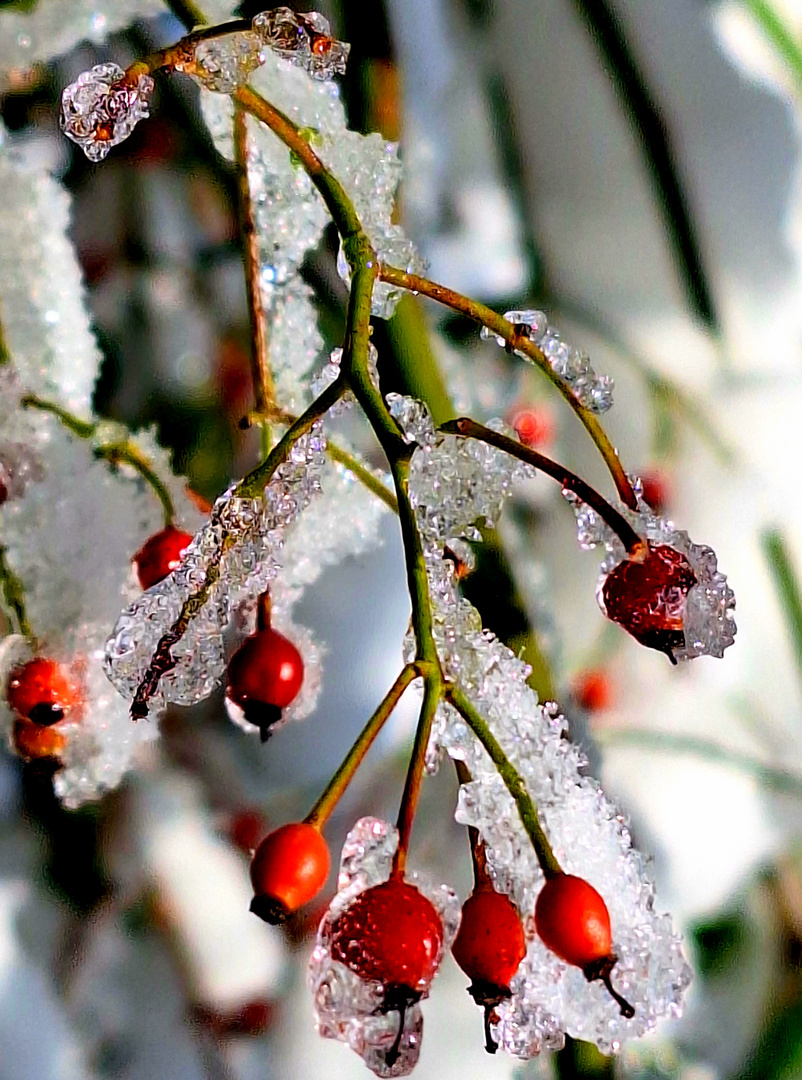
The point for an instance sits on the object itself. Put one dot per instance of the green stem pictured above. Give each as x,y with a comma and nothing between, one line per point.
519,343
786,582
125,452
780,36
363,474
634,545
772,777
188,12
432,693
321,811
512,778
14,595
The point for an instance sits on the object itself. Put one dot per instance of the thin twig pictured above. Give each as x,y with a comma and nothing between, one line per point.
417,762
786,582
14,595
635,546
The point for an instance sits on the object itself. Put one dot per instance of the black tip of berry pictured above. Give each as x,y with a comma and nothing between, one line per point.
397,998
602,969
270,910
44,714
265,717
664,641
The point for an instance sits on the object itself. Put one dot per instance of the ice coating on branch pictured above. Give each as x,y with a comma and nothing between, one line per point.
330,372
101,109
53,28
42,298
304,40
233,558
453,482
348,1008
708,623
573,365
225,63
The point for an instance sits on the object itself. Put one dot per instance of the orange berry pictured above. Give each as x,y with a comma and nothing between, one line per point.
43,691
289,868
32,741
593,690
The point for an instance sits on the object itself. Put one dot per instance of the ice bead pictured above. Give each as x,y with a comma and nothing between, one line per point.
305,40
223,64
100,109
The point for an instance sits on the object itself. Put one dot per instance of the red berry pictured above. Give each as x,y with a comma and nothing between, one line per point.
289,868
392,934
656,489
534,427
160,555
245,829
648,598
490,944
43,691
573,921
592,690
32,741
265,675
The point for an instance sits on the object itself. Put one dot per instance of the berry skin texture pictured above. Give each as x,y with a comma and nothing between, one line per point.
392,934
648,598
289,868
265,675
490,944
573,921
43,691
34,742
160,555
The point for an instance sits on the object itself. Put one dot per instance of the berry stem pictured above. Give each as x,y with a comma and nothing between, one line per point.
634,545
261,376
409,800
481,878
521,343
264,607
122,452
511,777
321,811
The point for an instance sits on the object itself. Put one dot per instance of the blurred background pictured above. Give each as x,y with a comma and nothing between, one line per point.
633,168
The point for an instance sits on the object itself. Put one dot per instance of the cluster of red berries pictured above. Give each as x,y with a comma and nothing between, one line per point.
266,673
392,934
42,693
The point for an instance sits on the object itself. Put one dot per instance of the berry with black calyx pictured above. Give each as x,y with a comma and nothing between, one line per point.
289,868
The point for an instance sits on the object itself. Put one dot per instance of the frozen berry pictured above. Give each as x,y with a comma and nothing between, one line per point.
33,742
593,690
265,675
656,491
572,920
289,868
43,691
160,555
489,947
648,598
391,934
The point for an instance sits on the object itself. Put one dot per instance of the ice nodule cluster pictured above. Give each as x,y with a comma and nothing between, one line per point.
453,484
304,40
348,1008
573,365
706,611
223,64
101,108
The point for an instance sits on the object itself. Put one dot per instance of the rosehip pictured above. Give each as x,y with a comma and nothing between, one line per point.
265,675
160,555
534,427
572,920
489,947
656,489
648,598
289,868
592,690
43,691
391,934
33,742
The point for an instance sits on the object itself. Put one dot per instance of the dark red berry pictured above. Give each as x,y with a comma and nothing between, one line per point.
265,675
245,829
648,598
489,947
160,555
392,934
43,691
593,690
572,920
289,868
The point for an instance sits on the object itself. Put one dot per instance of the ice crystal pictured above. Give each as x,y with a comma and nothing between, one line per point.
348,1008
101,108
42,298
593,391
231,559
453,483
304,40
331,371
708,624
225,63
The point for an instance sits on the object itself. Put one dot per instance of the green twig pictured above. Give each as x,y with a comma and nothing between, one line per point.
14,595
363,474
512,778
780,36
322,809
786,582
